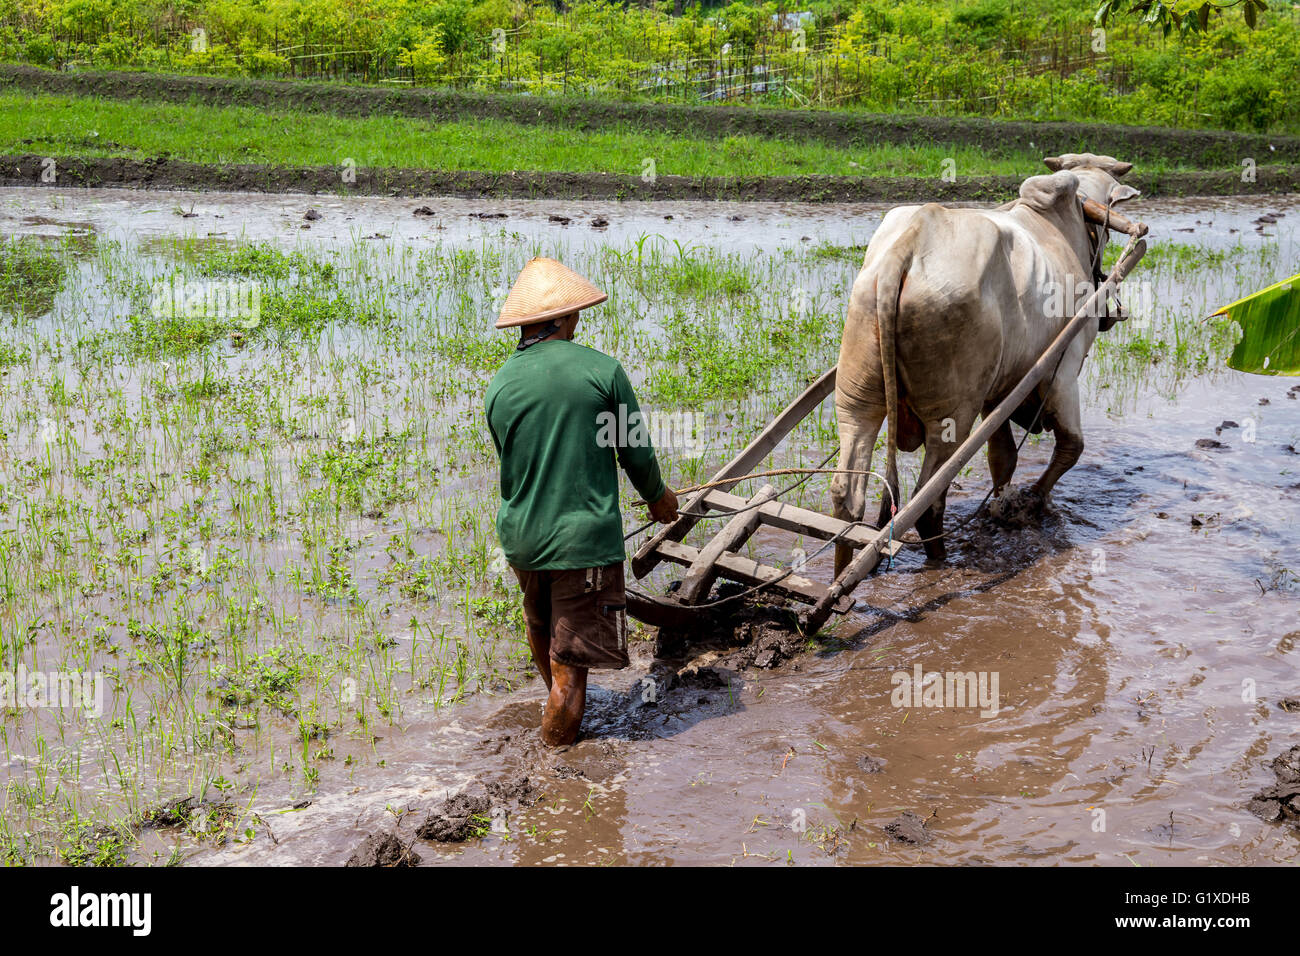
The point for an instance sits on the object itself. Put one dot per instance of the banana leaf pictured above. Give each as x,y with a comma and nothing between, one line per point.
1270,330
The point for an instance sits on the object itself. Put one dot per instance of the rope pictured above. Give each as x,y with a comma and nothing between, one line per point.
769,474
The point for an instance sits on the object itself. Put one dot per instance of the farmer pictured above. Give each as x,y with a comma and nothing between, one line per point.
563,417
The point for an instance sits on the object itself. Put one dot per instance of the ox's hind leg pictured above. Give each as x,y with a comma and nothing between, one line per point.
1002,465
942,438
1063,417
1002,457
859,425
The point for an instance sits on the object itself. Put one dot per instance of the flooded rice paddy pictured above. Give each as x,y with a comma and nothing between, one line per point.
245,482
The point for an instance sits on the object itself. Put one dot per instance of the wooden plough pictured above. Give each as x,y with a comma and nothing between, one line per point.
721,557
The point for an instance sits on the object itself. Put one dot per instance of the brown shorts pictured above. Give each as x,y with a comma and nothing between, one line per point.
582,614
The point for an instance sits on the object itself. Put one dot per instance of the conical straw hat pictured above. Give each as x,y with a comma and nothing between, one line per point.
544,290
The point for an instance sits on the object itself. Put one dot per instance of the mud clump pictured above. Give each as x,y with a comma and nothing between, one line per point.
753,634
699,678
909,828
173,813
768,644
211,820
457,819
383,850
466,815
1280,803
1017,508
765,636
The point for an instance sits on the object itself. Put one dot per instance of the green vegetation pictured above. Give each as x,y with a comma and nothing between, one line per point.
31,272
1270,324
1169,338
1039,59
73,126
1185,16
255,530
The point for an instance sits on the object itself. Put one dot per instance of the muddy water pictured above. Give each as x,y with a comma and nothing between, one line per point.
1141,638
118,213
1140,660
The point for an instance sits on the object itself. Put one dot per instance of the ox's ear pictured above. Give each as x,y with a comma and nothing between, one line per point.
1121,193
1053,163
1119,169
1045,193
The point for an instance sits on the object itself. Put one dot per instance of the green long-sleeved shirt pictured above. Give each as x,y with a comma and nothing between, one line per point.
563,417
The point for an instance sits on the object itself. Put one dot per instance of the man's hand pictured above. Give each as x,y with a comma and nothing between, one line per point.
665,509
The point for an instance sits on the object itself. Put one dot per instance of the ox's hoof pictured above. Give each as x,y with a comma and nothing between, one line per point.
1017,507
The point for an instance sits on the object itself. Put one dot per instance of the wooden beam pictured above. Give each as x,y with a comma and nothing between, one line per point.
699,579
647,556
799,520
748,571
788,518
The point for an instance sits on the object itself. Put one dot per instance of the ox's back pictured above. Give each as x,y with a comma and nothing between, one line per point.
979,295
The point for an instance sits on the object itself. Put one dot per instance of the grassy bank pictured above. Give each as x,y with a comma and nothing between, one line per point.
82,126
842,128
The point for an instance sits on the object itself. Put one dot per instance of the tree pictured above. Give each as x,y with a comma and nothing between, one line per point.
1186,16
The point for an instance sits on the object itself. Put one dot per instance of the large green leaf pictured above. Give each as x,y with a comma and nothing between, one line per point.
1270,330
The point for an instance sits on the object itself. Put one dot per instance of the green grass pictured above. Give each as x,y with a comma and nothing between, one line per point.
76,126
31,272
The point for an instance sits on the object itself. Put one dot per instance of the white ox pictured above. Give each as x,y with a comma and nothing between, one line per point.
950,310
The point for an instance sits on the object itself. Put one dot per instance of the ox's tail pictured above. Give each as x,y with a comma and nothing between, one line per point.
891,276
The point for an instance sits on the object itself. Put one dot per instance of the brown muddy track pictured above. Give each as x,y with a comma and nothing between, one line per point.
1203,149
26,170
